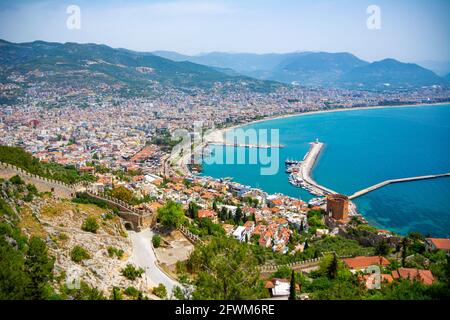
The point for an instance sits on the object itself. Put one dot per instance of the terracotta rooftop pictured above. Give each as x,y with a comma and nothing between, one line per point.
424,276
440,243
365,261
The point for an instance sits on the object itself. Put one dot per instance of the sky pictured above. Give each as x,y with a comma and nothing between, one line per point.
409,30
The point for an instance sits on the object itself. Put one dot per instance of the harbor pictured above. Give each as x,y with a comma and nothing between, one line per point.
300,171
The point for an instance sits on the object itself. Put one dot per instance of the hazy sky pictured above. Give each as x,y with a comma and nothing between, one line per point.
411,30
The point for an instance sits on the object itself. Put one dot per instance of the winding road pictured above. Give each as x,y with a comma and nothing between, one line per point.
144,257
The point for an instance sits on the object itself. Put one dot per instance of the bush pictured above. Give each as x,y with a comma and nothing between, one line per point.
16,180
79,254
156,240
132,292
115,252
131,272
160,291
90,225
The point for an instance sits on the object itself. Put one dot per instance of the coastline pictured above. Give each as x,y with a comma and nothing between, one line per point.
218,135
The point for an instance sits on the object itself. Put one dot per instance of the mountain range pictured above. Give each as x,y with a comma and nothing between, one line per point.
318,68
96,65
142,73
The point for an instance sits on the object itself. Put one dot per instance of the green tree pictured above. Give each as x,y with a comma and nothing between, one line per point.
382,248
171,214
225,269
123,194
292,292
156,240
39,266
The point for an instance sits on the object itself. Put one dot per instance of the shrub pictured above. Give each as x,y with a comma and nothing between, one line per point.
160,291
156,240
16,180
132,292
79,254
90,225
131,272
115,252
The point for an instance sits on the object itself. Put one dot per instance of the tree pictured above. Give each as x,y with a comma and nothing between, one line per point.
90,225
160,291
16,180
39,267
223,214
292,292
156,240
171,214
382,248
332,269
193,210
123,194
404,250
225,269
178,293
238,215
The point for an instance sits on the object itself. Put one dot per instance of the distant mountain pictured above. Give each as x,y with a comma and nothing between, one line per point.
390,73
308,68
318,69
441,68
244,63
93,65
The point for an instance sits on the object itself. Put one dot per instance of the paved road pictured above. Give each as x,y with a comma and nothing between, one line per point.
144,256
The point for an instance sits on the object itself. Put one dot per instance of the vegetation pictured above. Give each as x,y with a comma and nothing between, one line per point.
79,254
156,240
123,194
171,214
22,159
160,291
225,269
131,272
84,198
26,269
90,225
115,252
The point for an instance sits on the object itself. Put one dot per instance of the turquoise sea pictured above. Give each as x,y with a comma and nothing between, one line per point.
362,148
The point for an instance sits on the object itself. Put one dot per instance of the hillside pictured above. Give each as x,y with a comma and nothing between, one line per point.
340,69
92,66
390,73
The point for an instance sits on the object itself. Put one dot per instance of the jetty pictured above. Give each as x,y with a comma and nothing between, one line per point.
301,173
387,182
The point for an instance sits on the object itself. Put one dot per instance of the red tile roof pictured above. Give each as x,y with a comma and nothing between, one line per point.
424,276
362,262
440,243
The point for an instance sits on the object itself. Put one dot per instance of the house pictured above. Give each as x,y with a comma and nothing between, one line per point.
432,244
361,263
209,214
424,276
239,233
278,287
